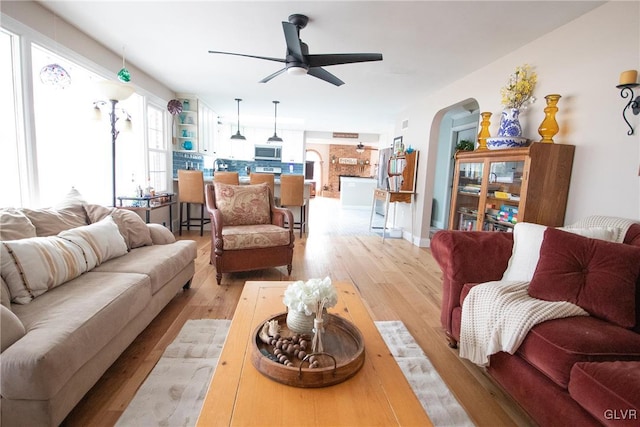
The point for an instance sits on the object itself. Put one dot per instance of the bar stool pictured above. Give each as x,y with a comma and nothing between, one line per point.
191,190
269,178
292,195
226,177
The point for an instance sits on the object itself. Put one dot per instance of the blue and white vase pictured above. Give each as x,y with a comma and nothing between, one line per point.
510,123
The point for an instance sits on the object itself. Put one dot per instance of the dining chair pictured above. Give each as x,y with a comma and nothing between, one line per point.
269,178
226,177
292,195
191,191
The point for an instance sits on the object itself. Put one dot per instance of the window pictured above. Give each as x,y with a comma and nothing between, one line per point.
157,146
54,139
11,134
72,149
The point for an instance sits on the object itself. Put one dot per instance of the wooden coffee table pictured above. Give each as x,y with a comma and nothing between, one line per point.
239,395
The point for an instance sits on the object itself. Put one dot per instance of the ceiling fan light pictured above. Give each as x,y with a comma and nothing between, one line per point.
360,148
297,71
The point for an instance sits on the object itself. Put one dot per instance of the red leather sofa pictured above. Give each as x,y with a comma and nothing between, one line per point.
572,371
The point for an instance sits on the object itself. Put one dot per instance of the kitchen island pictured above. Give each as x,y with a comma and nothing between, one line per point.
356,192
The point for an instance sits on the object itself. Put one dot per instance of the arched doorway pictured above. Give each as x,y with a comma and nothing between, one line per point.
459,122
314,161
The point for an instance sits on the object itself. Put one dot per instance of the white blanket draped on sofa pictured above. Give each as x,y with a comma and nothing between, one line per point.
496,316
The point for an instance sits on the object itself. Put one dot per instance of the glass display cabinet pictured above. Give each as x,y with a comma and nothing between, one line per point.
495,189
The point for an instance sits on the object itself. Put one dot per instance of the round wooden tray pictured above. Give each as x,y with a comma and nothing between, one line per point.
341,340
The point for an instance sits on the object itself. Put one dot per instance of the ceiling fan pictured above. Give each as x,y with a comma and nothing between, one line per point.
298,61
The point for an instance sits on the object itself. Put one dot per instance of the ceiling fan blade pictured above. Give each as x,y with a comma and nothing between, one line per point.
293,40
277,73
341,58
250,56
323,74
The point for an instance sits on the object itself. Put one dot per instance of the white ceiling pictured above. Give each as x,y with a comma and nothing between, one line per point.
425,44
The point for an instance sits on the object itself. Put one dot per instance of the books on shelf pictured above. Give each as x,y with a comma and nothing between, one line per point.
395,183
470,189
401,172
397,165
466,223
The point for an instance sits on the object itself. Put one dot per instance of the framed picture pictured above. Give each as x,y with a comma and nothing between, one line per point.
398,146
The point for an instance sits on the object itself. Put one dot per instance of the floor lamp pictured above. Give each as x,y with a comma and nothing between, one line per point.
114,92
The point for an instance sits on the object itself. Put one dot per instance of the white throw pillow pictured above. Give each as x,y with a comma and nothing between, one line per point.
31,267
100,241
65,215
131,226
15,225
606,221
527,239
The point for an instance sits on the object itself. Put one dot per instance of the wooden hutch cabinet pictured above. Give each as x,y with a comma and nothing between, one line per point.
493,190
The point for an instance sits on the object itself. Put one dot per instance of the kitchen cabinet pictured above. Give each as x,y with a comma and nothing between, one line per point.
237,149
207,128
187,124
196,126
226,148
292,146
493,190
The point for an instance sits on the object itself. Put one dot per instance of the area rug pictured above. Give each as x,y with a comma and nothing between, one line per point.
174,391
434,395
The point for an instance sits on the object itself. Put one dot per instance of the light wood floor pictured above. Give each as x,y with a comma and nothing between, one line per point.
398,281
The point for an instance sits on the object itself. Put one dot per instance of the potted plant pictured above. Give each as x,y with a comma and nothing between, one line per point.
465,145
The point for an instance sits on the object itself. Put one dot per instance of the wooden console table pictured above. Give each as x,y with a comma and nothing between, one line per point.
390,197
401,186
149,203
239,395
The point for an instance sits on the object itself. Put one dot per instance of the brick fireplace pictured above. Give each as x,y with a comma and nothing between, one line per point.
364,167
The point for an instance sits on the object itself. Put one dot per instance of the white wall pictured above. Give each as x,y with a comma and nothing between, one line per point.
581,61
69,38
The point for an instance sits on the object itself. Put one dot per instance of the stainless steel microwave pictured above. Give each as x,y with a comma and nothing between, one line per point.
268,152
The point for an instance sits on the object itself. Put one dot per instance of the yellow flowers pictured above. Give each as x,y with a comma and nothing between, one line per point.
519,89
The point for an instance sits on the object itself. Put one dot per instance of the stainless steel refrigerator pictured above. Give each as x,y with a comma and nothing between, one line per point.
383,178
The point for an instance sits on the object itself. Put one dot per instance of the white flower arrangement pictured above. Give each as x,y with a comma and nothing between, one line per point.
311,296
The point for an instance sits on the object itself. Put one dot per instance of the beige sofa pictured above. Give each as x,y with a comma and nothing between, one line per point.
61,338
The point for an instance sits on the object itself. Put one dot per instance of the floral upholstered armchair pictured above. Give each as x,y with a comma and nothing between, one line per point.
247,229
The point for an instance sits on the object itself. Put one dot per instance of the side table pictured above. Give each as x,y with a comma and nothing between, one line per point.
390,197
149,203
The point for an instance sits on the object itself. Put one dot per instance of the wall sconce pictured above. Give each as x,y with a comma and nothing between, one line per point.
628,80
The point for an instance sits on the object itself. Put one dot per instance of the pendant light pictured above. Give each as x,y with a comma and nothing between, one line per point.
238,135
275,137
